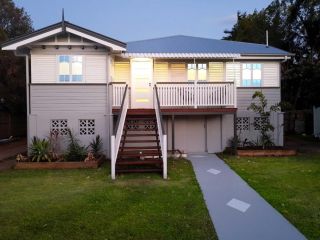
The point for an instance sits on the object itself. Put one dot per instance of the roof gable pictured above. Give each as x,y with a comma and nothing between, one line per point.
61,27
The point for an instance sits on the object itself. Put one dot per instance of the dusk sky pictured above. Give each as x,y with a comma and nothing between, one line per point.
129,20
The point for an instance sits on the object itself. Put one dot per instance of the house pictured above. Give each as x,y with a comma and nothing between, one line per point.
147,97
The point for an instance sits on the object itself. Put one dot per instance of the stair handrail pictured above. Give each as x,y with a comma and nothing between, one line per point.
161,132
117,133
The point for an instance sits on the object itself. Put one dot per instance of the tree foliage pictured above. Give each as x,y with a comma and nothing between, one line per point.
293,25
14,22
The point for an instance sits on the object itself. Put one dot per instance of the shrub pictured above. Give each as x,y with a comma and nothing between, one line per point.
75,151
40,150
260,108
96,146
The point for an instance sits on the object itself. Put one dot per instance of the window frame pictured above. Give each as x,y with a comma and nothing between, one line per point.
197,71
70,69
251,85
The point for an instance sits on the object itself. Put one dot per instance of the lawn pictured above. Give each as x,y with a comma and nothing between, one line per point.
290,184
86,204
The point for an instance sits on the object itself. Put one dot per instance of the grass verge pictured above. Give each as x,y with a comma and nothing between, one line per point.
290,184
86,204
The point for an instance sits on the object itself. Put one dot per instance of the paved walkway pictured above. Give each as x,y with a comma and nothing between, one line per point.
237,211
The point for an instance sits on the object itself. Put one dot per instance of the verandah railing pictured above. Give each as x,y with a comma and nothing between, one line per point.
186,94
196,95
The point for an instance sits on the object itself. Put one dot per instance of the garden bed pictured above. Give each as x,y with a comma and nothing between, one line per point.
60,165
277,151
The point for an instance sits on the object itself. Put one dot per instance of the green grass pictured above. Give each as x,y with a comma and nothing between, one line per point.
86,204
290,184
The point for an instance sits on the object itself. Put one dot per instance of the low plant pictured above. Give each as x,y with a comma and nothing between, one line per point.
96,146
54,140
40,150
75,151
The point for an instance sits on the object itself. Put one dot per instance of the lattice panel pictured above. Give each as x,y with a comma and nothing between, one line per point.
243,123
59,126
87,126
259,122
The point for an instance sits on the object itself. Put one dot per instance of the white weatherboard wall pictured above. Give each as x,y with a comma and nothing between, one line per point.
71,102
244,96
44,65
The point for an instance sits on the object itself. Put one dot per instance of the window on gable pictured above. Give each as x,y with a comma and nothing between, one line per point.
197,70
70,68
251,75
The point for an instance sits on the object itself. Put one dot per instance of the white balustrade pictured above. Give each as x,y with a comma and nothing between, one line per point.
116,139
162,136
196,95
117,93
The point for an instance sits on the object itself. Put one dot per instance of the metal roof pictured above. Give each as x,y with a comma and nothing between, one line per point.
195,45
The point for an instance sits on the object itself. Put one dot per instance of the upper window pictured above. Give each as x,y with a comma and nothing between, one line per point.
70,69
197,70
251,75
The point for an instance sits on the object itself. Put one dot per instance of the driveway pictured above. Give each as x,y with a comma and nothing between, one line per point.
11,149
238,211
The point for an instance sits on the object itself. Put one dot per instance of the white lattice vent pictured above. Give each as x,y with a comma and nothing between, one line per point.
243,123
87,126
59,126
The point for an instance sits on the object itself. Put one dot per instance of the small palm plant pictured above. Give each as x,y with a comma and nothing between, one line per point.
96,146
40,149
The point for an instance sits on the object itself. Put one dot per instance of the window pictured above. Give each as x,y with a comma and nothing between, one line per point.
251,75
243,123
59,126
193,72
87,126
70,69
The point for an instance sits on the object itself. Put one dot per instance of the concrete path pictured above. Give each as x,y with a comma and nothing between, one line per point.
237,211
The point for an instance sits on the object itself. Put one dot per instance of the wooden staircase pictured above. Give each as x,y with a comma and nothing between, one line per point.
140,149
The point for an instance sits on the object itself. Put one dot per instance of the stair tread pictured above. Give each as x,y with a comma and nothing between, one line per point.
140,129
139,141
138,162
139,170
140,135
140,148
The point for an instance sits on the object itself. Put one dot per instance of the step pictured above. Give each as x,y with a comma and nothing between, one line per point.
140,135
139,141
137,154
141,118
139,170
138,162
140,129
141,124
140,148
149,112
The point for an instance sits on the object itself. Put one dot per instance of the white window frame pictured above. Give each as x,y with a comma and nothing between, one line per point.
70,68
241,70
197,71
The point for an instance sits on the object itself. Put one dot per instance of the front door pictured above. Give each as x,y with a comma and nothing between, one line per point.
141,83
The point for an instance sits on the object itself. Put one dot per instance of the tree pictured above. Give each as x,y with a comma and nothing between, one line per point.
293,25
14,21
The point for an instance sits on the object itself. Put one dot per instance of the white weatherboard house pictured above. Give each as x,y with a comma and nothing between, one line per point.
147,97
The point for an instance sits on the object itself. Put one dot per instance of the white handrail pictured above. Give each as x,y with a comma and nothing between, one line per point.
116,139
196,95
162,136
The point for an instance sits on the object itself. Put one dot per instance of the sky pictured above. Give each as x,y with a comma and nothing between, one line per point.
129,20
